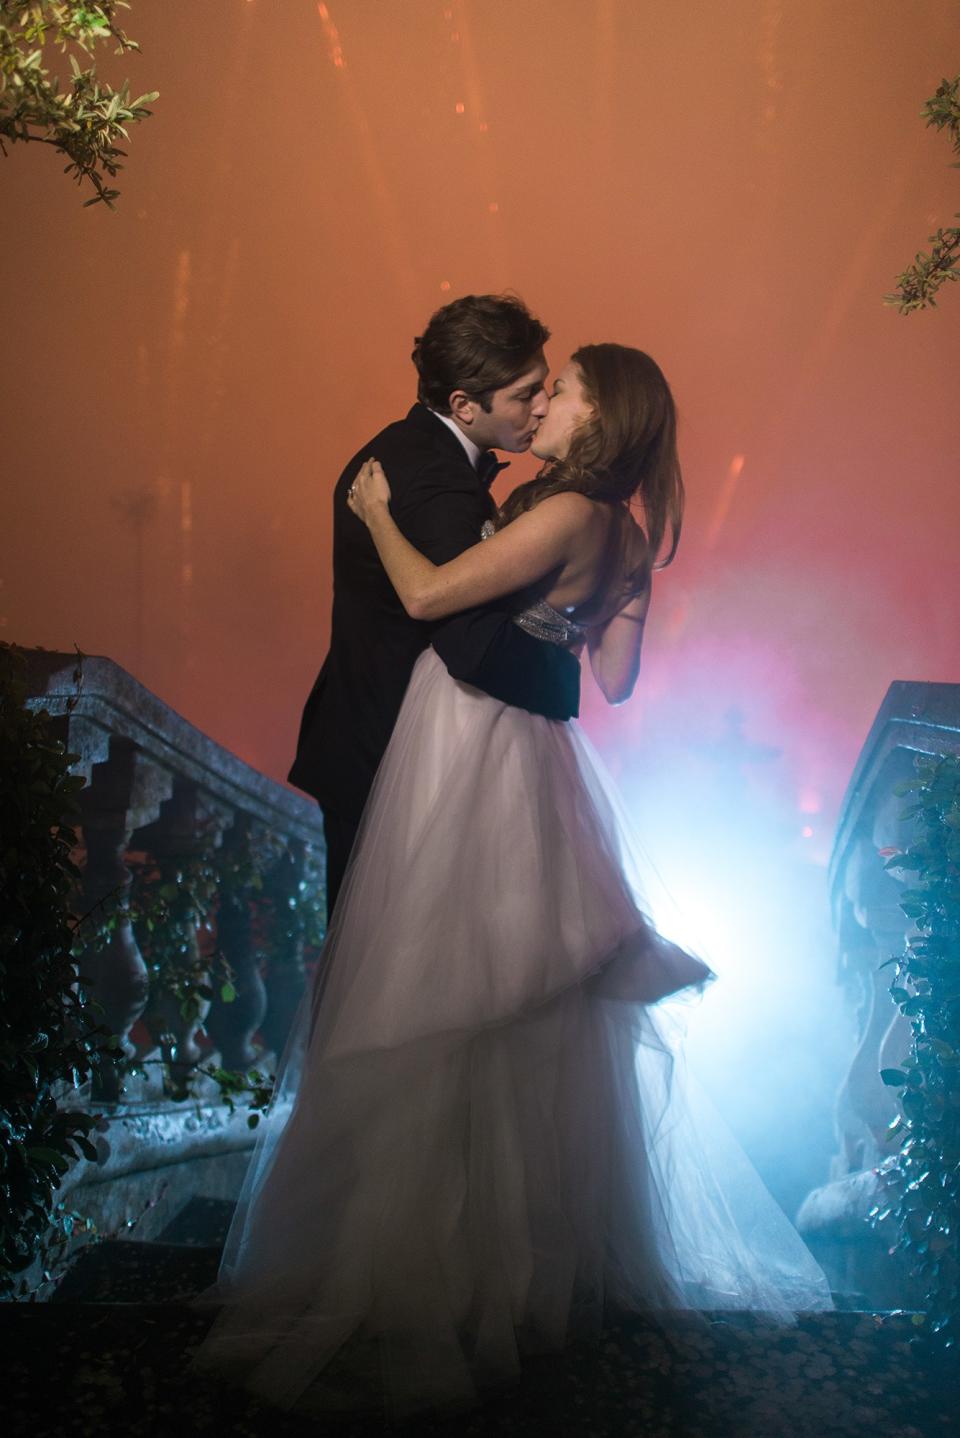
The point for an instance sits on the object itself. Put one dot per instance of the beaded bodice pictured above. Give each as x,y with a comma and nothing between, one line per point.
540,618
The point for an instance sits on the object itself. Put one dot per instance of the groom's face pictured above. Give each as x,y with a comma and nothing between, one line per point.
514,415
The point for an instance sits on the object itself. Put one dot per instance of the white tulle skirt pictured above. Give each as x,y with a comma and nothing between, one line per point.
483,1136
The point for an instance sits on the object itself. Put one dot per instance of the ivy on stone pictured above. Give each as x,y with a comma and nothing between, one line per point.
922,1181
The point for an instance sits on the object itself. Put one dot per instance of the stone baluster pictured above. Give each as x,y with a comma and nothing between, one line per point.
190,822
125,791
232,1025
286,976
159,789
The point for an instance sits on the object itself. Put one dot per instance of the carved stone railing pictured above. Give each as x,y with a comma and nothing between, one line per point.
915,718
159,788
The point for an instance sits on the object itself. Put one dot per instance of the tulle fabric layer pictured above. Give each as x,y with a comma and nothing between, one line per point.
483,1136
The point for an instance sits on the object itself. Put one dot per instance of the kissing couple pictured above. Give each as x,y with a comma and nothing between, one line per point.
483,1141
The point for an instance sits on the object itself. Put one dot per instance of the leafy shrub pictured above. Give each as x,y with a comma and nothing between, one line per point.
51,1041
922,1182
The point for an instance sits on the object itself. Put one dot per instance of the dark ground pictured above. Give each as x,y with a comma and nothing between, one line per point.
99,1359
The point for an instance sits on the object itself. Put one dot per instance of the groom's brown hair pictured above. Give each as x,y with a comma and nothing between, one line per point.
478,343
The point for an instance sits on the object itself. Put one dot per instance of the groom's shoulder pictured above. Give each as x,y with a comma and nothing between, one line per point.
417,443
410,435
418,433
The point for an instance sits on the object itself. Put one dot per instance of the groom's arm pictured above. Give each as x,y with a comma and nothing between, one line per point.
484,647
441,515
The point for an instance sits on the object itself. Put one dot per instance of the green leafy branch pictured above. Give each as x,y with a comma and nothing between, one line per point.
291,911
253,1085
919,283
170,905
68,1232
87,119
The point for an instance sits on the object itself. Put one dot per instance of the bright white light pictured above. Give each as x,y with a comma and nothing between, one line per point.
730,879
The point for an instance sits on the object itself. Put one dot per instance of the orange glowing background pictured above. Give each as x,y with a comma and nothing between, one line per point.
732,187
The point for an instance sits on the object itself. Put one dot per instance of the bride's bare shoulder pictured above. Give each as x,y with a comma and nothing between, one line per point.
573,505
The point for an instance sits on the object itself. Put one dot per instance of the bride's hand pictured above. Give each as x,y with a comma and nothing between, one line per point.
368,489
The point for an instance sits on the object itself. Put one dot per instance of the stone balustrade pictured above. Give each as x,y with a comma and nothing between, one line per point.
160,793
915,718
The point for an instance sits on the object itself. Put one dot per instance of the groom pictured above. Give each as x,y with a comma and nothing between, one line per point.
482,371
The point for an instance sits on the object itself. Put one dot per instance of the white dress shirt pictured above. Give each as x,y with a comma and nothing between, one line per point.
473,450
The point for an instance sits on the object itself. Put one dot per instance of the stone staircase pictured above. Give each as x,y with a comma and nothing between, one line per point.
107,1354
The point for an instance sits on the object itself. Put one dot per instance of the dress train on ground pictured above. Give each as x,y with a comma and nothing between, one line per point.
483,1135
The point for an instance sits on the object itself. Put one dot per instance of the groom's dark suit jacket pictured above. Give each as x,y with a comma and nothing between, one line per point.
439,502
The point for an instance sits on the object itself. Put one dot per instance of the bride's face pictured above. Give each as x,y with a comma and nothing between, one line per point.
569,409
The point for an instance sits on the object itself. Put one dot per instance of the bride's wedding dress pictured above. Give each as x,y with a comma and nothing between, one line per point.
482,1133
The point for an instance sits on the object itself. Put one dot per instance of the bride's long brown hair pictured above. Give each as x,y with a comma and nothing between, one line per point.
626,452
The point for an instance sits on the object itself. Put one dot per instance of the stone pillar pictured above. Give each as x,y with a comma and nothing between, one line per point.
286,977
232,1025
125,791
190,822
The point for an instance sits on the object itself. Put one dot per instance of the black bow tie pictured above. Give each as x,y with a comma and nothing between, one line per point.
488,467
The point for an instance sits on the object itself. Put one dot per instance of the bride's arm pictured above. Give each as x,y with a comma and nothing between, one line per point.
536,544
614,649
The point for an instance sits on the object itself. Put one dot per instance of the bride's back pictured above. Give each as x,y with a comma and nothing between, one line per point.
612,564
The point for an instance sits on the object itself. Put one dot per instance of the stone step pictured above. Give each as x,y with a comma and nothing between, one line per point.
179,1263
118,1335
201,1223
124,1271
121,1369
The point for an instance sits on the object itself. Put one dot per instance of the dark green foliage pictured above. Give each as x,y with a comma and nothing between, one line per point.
50,1041
254,1086
67,1231
290,912
922,1182
171,901
919,283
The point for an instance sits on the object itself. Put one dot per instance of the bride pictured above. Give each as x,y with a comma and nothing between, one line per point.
482,1136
